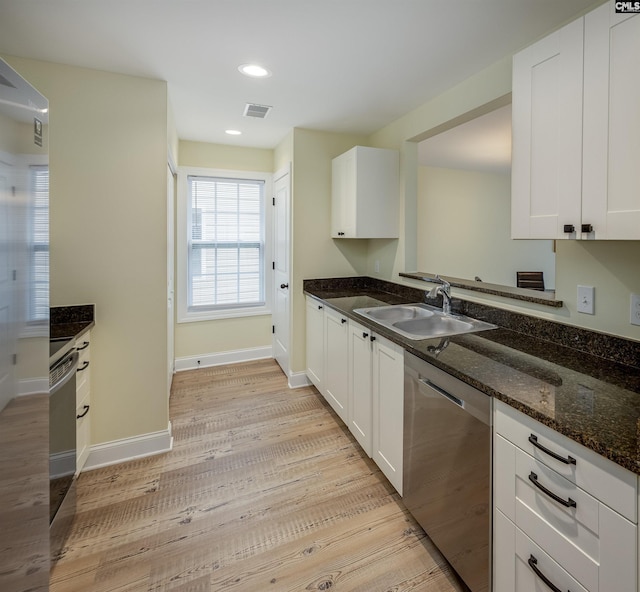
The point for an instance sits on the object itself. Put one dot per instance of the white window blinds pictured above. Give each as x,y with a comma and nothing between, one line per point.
39,190
225,243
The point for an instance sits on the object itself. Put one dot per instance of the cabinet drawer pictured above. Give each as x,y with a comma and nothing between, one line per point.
517,558
603,479
594,544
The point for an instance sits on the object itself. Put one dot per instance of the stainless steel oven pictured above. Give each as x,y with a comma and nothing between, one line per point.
447,467
62,440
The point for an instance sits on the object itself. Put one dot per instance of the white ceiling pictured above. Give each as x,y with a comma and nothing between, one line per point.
338,65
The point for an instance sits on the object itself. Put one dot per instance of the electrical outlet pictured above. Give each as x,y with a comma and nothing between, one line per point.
586,296
634,312
377,266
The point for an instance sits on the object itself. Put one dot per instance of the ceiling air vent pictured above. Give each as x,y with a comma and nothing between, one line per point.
259,111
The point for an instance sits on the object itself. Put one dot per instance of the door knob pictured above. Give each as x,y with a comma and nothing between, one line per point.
283,286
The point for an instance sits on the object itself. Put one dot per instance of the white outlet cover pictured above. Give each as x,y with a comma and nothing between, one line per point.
586,295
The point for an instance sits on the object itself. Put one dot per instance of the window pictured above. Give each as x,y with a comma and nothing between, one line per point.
222,244
39,264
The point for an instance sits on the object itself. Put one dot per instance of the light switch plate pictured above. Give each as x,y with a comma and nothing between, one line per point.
586,296
634,316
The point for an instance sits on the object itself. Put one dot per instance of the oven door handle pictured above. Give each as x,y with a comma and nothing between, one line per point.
69,373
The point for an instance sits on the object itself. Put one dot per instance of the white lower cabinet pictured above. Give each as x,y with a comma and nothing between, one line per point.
361,375
83,401
315,342
360,385
336,362
388,409
553,519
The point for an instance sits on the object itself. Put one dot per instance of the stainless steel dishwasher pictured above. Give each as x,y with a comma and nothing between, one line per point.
447,467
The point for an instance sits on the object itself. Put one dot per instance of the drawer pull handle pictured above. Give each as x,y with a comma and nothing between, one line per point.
84,345
533,564
85,410
568,503
567,461
84,366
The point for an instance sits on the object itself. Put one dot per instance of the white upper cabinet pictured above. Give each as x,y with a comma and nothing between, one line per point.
576,136
611,158
546,174
365,188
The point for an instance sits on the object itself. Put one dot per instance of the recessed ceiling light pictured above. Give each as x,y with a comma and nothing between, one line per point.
233,132
254,71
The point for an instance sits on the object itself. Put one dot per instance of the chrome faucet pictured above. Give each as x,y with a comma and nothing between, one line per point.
444,288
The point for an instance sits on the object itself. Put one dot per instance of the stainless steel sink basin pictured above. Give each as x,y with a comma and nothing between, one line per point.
421,321
392,314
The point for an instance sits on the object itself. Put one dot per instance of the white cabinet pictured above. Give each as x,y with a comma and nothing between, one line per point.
83,400
365,194
611,175
336,362
315,342
388,409
562,512
547,135
361,375
575,147
360,385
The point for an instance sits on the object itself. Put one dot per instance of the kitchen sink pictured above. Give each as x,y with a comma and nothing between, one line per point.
421,321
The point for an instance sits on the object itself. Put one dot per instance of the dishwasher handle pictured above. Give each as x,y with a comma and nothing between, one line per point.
435,387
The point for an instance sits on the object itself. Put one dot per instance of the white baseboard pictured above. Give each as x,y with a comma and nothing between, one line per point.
33,386
118,451
298,380
62,464
220,358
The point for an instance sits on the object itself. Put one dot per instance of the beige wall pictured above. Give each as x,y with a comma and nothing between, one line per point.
209,337
464,219
315,254
108,153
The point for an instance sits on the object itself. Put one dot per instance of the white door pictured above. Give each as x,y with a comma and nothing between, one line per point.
281,268
170,277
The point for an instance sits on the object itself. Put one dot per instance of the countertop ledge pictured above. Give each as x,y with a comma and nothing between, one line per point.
588,398
71,321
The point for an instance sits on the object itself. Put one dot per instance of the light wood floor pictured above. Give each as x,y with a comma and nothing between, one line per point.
265,489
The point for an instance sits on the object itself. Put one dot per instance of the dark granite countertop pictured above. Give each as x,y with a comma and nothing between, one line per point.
71,321
592,400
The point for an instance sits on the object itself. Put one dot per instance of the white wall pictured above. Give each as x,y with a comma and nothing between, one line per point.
108,154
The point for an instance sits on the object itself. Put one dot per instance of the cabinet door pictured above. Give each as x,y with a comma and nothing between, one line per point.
336,378
360,394
343,195
388,409
546,173
315,343
83,401
611,178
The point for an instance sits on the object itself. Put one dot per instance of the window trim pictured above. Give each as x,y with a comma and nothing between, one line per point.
183,314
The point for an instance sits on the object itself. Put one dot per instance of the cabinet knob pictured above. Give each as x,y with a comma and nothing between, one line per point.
84,366
372,338
340,233
319,307
365,335
587,228
569,228
343,321
284,286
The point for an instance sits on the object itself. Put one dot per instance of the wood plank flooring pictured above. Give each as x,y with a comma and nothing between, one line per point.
265,489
